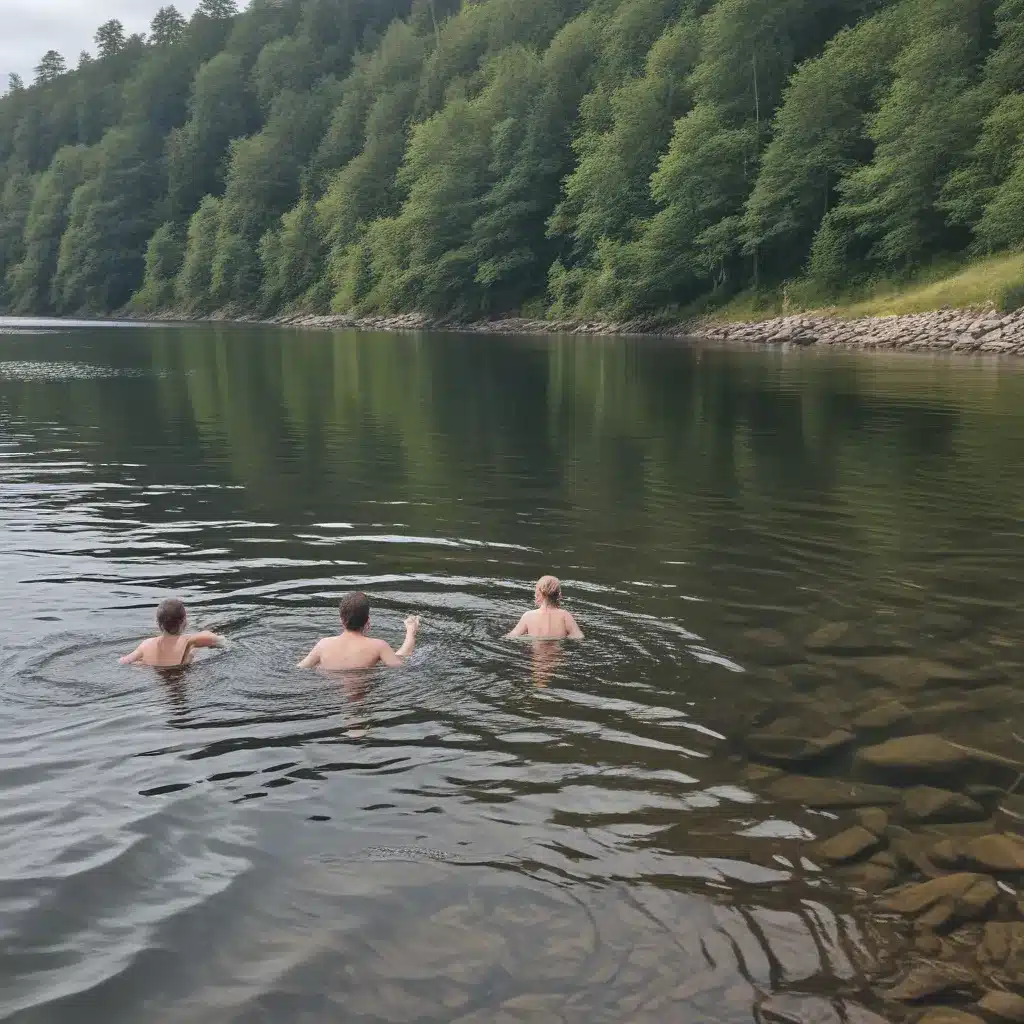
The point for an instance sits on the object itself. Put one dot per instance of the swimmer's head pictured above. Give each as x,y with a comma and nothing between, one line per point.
171,616
549,591
355,612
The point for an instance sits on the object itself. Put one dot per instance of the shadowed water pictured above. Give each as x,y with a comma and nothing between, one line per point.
498,832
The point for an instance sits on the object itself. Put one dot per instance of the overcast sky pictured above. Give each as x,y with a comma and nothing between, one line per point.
28,28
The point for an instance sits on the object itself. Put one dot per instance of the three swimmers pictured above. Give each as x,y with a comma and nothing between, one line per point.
352,648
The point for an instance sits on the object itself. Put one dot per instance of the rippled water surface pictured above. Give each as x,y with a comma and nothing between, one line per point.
497,832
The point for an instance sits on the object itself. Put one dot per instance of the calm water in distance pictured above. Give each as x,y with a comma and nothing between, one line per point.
496,832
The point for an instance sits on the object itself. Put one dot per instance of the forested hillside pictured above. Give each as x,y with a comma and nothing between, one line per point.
585,157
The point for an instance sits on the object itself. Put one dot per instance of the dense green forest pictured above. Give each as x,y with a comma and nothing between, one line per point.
575,157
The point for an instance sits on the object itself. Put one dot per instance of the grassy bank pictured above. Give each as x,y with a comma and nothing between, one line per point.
997,281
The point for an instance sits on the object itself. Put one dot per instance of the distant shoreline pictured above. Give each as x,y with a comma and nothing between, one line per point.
960,331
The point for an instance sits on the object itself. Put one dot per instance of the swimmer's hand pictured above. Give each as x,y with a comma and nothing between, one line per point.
412,624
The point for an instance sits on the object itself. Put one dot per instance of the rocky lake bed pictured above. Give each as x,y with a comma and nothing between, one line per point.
908,784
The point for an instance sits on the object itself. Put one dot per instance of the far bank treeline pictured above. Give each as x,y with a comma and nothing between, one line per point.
583,157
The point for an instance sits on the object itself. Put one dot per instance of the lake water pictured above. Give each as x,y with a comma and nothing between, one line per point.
496,832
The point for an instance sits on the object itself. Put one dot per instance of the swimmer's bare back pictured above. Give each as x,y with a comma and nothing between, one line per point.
547,623
169,651
352,650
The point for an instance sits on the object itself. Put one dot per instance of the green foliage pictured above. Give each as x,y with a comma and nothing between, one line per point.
820,135
164,255
50,67
922,132
167,26
109,38
29,281
192,286
110,219
469,157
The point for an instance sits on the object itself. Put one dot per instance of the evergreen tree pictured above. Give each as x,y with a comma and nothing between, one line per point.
109,38
15,83
167,26
50,67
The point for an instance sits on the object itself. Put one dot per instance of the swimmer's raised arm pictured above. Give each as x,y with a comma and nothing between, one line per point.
207,639
312,659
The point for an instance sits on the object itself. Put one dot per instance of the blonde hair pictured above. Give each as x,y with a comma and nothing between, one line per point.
550,589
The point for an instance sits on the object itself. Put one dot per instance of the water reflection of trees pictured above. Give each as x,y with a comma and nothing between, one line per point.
666,447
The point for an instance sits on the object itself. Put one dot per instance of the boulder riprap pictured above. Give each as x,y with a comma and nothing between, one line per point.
942,902
926,804
931,758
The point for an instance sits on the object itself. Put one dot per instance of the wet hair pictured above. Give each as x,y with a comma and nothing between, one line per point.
170,616
355,611
550,589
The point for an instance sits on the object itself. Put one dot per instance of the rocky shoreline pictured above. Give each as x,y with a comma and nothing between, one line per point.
950,330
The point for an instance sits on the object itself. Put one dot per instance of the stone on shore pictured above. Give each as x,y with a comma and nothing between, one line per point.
926,805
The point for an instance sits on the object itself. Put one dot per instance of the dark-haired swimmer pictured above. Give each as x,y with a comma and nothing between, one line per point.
173,647
353,649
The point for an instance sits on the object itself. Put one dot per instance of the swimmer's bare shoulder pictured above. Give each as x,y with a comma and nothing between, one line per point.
572,630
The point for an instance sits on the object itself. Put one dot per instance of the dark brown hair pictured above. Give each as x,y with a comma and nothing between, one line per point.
355,611
170,616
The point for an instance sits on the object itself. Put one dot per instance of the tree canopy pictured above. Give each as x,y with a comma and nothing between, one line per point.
584,157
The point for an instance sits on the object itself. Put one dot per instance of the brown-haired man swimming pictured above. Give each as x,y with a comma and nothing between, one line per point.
353,649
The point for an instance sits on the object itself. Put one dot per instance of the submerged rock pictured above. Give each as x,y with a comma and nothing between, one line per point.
904,670
826,793
796,749
882,716
929,757
942,902
999,854
874,819
851,844
947,1015
1002,1005
926,804
926,981
1003,946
